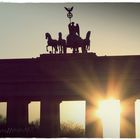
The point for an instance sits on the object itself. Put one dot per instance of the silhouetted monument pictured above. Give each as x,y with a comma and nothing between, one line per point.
73,40
52,79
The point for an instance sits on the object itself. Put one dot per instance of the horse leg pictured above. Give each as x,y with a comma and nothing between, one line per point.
47,48
61,49
65,49
77,50
86,49
52,49
56,49
83,49
74,50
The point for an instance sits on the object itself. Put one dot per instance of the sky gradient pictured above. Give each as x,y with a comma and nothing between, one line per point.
114,27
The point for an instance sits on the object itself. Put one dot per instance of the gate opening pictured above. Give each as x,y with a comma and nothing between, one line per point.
137,118
72,118
3,113
109,113
34,113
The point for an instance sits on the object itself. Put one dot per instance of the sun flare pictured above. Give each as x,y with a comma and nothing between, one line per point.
108,108
109,113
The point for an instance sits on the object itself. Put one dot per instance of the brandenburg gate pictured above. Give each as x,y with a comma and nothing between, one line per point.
52,79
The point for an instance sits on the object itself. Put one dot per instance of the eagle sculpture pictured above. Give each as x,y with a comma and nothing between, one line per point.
69,9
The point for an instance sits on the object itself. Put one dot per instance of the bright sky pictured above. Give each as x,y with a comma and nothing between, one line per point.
114,28
73,111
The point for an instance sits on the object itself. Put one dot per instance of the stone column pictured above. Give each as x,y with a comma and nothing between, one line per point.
127,126
17,113
50,118
93,123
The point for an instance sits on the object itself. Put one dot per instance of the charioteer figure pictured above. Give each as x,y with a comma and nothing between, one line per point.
73,39
74,29
74,35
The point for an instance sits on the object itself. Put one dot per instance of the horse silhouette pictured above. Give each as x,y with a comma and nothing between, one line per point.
61,43
87,40
51,42
75,42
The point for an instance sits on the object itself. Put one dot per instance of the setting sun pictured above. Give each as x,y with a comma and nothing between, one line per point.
109,113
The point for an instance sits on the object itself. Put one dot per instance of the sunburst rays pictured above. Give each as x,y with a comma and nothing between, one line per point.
92,88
